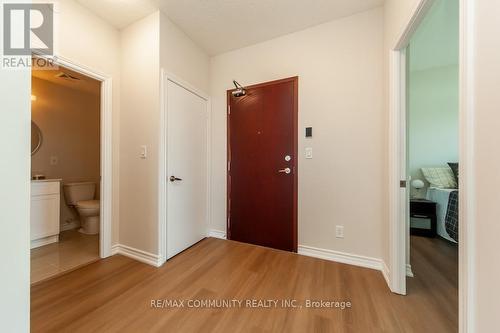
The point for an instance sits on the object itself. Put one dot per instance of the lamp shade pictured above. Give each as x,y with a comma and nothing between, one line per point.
417,184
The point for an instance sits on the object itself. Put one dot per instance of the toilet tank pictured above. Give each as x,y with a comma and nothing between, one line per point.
75,192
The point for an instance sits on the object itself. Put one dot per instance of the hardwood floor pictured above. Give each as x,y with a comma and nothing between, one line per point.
114,295
72,251
435,266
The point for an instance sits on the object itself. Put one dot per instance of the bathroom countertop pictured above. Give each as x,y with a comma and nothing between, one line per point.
45,180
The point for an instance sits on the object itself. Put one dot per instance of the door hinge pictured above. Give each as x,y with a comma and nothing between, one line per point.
228,165
229,109
402,183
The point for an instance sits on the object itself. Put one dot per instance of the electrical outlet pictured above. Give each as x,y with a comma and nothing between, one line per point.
309,153
339,231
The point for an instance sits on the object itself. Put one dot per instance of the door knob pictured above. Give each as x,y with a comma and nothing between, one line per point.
174,179
286,170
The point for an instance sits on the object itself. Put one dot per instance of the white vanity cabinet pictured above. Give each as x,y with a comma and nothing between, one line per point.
45,212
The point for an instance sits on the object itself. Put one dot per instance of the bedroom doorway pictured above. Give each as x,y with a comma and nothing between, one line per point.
432,145
399,182
425,148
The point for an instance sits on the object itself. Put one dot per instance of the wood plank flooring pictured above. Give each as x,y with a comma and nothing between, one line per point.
114,295
435,266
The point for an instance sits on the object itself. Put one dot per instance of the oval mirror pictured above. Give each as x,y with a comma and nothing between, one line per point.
36,138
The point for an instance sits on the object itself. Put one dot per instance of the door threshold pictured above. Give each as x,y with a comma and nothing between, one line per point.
33,284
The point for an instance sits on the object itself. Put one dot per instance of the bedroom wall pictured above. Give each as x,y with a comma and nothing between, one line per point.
433,91
336,62
433,120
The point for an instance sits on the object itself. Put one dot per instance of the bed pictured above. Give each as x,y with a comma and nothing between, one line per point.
446,211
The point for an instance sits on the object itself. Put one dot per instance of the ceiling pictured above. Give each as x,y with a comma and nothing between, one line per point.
121,13
219,26
84,84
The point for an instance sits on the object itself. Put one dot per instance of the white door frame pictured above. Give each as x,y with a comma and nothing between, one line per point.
397,160
106,201
163,154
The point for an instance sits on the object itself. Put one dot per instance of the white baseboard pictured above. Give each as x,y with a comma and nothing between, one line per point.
44,241
345,258
217,234
409,272
136,254
386,273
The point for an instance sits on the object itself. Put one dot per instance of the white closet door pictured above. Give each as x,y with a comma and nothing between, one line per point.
187,169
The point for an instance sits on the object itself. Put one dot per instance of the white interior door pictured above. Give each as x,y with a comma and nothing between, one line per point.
187,168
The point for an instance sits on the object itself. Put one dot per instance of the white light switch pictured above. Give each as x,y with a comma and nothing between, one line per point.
309,153
144,152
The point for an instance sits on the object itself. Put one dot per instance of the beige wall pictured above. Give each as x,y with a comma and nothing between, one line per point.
397,14
89,41
180,56
70,125
148,45
139,125
336,62
486,165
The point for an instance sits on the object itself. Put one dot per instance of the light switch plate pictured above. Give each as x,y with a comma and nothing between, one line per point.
144,152
309,153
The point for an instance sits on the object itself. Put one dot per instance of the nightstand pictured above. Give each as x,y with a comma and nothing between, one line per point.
423,209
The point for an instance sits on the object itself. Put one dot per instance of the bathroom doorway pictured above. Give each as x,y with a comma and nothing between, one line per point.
66,170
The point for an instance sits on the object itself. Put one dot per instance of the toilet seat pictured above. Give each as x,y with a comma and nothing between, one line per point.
88,204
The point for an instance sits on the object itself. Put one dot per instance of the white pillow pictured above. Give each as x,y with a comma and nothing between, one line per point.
440,177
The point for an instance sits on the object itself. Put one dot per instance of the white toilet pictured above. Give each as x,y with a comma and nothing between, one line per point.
81,197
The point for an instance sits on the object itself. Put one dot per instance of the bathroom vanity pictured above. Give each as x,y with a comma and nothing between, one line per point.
45,211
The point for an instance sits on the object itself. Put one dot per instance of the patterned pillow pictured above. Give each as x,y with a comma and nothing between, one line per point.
454,168
440,177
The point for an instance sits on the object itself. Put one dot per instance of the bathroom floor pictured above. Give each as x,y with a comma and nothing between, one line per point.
72,251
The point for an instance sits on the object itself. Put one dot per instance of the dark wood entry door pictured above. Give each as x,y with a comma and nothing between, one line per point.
262,168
